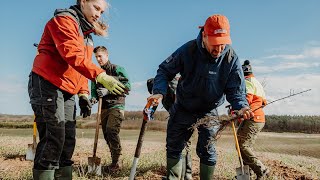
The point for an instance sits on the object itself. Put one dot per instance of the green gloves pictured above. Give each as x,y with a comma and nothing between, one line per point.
109,82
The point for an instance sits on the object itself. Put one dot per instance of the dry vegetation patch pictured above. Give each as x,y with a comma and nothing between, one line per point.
152,160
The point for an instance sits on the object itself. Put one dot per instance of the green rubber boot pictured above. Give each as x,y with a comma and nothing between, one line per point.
186,173
174,169
63,173
206,172
43,174
184,166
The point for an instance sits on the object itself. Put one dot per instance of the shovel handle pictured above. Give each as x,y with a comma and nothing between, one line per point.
237,144
34,132
34,129
150,103
143,127
140,139
138,150
97,128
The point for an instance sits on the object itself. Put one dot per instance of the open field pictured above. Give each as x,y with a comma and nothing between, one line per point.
274,123
290,156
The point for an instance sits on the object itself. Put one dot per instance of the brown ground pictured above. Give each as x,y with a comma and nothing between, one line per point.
278,169
14,165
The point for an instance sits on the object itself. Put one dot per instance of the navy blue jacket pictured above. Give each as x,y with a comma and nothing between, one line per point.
204,80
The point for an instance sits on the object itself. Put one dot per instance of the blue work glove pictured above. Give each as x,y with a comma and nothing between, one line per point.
85,105
102,92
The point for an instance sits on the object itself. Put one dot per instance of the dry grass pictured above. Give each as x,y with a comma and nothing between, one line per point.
153,125
152,160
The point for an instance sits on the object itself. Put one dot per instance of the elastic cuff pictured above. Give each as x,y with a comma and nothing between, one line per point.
86,95
158,92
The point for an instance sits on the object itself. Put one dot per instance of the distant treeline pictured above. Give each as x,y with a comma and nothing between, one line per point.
274,123
297,124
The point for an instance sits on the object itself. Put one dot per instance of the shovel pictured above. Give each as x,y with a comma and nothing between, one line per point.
31,151
242,171
94,163
148,112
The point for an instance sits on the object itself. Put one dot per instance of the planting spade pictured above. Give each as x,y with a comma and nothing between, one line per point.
94,162
242,171
31,151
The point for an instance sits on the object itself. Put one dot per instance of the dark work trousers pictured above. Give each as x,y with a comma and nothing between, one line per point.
54,112
111,120
179,132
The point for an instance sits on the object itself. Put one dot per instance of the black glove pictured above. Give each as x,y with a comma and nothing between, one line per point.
85,106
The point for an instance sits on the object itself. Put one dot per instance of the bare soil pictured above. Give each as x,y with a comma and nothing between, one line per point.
278,169
14,166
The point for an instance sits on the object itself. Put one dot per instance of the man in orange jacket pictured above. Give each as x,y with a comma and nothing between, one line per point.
249,128
60,71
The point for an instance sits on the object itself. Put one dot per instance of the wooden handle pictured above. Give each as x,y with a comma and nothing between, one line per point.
140,139
237,143
97,128
35,129
143,127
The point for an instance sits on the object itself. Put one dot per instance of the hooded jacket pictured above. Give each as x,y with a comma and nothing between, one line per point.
204,80
256,97
65,52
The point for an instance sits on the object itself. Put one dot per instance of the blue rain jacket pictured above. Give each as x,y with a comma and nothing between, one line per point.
204,80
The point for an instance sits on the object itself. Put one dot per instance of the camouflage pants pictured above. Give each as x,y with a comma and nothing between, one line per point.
111,120
247,134
54,110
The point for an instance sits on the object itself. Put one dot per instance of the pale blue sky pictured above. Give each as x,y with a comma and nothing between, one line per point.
281,38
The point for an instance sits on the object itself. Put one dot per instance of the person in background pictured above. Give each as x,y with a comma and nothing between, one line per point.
210,70
249,128
60,71
112,112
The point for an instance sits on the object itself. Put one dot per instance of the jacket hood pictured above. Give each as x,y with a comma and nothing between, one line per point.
75,11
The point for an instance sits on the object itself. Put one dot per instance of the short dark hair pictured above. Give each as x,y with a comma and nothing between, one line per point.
100,48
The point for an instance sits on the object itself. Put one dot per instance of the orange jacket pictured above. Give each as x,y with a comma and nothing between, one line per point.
65,55
256,97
